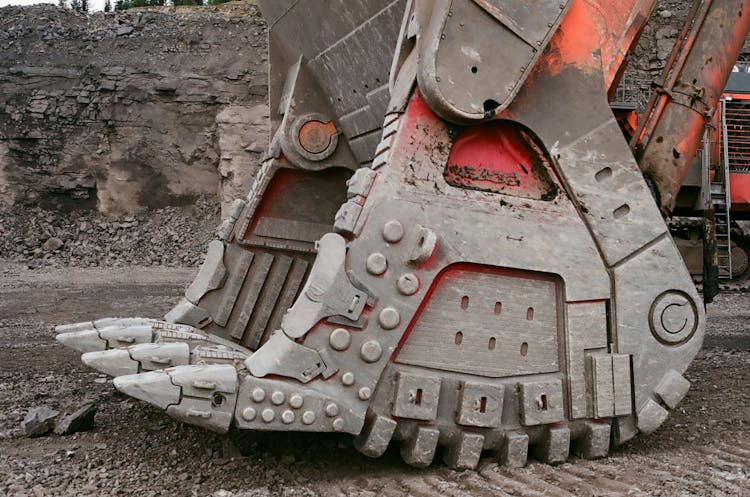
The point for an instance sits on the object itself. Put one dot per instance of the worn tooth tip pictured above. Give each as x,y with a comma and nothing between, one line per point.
90,358
114,362
64,328
82,340
154,387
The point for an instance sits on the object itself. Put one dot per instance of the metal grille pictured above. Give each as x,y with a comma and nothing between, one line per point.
738,135
632,93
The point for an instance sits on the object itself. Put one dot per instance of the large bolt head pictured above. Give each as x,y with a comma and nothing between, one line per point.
340,339
408,284
371,351
376,263
389,318
393,231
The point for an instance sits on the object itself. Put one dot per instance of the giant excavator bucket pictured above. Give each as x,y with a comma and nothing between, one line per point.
449,246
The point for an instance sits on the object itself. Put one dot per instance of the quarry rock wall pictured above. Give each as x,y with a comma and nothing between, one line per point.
129,111
144,109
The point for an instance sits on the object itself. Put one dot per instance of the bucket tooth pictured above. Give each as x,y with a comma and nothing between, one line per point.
465,451
209,395
651,416
153,356
85,340
515,449
375,437
204,380
71,327
672,388
419,448
123,336
139,357
594,442
105,334
102,323
555,446
154,387
123,322
114,362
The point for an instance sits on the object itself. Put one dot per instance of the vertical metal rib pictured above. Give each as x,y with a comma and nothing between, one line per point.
270,295
258,275
291,286
232,287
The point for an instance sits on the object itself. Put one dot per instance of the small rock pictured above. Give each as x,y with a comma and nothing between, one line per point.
256,147
81,420
166,86
39,421
107,85
124,30
665,14
52,244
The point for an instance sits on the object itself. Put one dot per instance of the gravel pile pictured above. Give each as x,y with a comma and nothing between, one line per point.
53,23
172,236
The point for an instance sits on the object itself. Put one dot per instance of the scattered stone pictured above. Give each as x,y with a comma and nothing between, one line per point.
107,85
167,86
81,420
171,236
52,244
39,421
665,14
125,30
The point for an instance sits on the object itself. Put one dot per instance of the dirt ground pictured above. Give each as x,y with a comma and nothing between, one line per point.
702,450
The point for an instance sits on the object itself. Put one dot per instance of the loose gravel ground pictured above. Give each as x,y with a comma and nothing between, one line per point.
702,450
171,236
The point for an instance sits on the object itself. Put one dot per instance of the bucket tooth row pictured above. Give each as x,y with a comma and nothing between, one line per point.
463,449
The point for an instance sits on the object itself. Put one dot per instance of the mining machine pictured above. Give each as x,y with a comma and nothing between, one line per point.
716,191
449,242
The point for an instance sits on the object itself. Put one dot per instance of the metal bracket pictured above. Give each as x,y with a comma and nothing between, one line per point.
327,292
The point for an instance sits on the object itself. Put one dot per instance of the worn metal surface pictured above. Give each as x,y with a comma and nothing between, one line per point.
527,300
466,77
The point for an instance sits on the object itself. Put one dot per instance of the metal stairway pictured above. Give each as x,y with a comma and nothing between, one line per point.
721,203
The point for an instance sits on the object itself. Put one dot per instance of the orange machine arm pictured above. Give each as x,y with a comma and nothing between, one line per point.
688,92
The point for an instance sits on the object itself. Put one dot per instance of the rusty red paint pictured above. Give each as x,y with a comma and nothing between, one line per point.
574,44
739,188
691,85
498,157
315,136
280,183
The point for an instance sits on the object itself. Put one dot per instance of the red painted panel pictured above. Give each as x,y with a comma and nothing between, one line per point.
499,157
739,188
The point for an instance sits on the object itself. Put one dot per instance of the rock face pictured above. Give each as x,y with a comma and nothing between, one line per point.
658,38
152,108
127,111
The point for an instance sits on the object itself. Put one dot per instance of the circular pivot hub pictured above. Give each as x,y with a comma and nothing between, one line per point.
673,317
316,137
